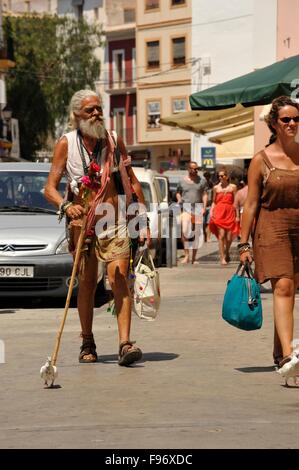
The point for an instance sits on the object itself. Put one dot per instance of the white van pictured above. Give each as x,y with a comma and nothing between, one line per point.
157,209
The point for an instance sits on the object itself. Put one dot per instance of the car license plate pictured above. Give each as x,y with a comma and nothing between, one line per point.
16,271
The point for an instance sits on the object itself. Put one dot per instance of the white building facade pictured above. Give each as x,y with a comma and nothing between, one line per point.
230,39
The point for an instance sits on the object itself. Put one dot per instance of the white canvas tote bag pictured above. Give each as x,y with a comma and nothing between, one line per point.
146,292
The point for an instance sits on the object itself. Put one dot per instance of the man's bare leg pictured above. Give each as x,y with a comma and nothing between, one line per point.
86,293
186,227
117,273
186,250
194,253
85,298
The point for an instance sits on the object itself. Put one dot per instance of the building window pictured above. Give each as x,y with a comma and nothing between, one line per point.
153,114
78,6
178,51
135,138
119,122
118,68
153,54
133,64
129,15
174,3
151,5
28,6
96,13
179,105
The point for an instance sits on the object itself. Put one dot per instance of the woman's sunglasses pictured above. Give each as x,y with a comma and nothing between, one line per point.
287,119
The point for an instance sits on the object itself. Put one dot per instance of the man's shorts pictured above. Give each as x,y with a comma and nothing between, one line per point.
113,243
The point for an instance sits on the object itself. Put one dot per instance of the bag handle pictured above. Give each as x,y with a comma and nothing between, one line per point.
146,253
246,268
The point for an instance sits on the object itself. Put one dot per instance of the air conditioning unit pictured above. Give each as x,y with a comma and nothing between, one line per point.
206,66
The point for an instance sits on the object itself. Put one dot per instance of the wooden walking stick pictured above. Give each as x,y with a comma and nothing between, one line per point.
90,184
49,370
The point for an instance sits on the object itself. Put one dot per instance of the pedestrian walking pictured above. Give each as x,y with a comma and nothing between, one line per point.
206,218
272,201
240,199
223,222
90,146
192,195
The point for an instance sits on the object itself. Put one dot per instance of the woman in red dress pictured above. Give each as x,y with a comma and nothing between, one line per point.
223,215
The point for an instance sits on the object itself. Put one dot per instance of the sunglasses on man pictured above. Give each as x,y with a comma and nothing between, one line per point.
91,109
288,119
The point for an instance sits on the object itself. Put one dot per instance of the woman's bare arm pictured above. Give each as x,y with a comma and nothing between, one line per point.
255,185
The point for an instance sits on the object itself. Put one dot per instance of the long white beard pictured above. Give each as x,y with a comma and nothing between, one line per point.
95,129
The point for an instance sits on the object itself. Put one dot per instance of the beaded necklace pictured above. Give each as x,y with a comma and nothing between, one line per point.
94,156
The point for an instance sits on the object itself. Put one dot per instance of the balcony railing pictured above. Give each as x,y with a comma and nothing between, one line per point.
122,83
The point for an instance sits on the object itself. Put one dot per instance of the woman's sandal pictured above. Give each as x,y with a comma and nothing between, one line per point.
88,348
128,353
277,358
284,361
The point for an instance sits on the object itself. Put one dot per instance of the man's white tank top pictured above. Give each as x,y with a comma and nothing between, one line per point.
74,165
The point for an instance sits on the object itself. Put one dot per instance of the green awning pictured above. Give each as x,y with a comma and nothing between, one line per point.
255,88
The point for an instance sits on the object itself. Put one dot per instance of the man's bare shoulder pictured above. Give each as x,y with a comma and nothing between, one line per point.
62,142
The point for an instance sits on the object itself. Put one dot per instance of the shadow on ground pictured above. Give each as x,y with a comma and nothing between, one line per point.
11,304
214,256
146,357
255,369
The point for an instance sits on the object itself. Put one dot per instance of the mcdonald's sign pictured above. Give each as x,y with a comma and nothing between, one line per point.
208,158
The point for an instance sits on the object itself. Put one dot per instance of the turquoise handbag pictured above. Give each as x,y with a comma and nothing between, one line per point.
242,305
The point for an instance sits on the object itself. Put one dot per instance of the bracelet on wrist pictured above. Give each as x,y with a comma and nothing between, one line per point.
244,249
240,245
63,208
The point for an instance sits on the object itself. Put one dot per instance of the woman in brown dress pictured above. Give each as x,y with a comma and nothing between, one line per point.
273,203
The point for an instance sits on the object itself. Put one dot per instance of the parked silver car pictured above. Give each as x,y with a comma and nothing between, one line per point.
34,258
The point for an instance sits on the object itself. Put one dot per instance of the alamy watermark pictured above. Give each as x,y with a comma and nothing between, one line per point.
2,352
177,220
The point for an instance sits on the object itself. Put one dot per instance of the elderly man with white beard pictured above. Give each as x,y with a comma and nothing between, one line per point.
90,143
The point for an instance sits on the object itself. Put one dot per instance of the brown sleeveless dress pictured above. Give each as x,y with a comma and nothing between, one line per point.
276,237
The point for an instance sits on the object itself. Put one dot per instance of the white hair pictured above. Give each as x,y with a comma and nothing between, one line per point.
75,105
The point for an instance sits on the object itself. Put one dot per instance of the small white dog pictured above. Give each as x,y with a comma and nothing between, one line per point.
291,368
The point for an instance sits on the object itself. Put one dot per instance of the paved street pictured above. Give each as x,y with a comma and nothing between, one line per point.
201,384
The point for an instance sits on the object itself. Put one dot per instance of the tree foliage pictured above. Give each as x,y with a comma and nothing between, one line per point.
55,56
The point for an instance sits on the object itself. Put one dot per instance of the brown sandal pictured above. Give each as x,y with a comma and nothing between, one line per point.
88,348
277,358
128,353
284,361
